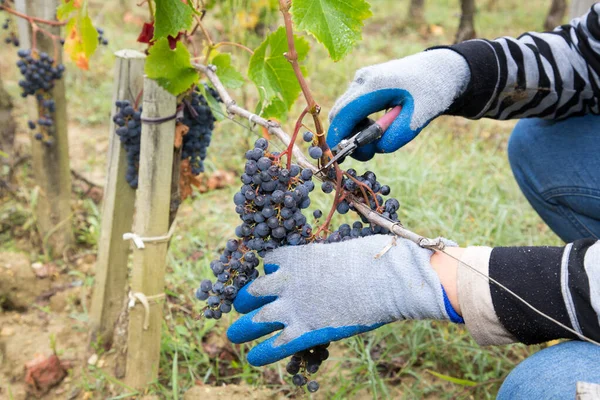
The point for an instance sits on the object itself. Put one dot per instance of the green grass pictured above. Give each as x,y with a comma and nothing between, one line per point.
454,181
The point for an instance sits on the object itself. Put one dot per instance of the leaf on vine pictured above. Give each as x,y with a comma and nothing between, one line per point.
171,17
214,105
228,75
81,40
272,73
66,8
147,32
172,69
337,24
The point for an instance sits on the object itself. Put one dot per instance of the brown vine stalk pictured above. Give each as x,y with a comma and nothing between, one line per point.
292,56
32,20
311,105
35,28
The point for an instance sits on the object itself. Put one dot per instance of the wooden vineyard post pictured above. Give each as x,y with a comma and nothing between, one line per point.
51,163
117,210
152,220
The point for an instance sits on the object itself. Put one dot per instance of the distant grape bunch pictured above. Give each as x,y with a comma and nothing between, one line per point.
101,38
12,37
270,204
40,72
197,116
129,130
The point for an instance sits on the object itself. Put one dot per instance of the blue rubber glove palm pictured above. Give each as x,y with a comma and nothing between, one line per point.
425,84
320,293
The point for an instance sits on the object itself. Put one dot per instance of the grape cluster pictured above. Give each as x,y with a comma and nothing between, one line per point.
129,130
196,116
200,121
101,39
12,37
306,363
270,203
40,72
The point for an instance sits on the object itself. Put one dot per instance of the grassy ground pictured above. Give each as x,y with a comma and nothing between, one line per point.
453,180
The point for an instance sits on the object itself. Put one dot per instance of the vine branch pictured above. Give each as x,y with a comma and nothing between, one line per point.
275,129
292,56
32,20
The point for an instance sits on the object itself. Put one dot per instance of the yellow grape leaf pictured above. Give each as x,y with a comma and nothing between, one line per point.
81,40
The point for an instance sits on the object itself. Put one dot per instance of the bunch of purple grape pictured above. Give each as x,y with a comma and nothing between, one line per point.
270,203
306,363
11,38
101,38
129,130
39,75
198,117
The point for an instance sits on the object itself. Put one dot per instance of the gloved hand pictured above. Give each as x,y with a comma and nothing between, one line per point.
319,293
425,84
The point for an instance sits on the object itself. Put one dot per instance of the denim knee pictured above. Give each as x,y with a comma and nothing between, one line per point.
553,373
556,166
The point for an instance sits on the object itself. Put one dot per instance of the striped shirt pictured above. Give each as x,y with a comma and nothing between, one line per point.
551,75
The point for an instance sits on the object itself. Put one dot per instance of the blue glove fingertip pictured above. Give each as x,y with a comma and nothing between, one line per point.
245,329
270,268
245,302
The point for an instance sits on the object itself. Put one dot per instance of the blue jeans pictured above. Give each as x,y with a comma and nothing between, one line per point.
553,373
557,166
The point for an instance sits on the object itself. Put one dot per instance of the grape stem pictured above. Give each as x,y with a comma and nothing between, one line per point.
292,56
35,28
299,124
30,19
275,129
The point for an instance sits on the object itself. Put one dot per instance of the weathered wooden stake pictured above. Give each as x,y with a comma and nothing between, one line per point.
152,215
51,163
117,212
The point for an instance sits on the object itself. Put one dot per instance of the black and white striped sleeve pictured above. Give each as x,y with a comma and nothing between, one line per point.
561,282
550,75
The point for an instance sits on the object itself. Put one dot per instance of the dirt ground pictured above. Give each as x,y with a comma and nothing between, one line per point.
41,306
44,349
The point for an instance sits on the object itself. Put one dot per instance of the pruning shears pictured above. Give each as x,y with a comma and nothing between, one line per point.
372,131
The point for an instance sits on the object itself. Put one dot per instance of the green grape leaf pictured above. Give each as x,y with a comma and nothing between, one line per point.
213,104
228,75
65,9
172,69
272,73
337,24
275,108
171,17
81,40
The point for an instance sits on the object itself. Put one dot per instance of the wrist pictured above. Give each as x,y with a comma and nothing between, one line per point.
446,268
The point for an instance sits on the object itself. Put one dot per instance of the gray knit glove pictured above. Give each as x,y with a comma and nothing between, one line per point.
425,84
319,293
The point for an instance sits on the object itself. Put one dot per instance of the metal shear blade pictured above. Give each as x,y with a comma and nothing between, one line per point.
340,154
